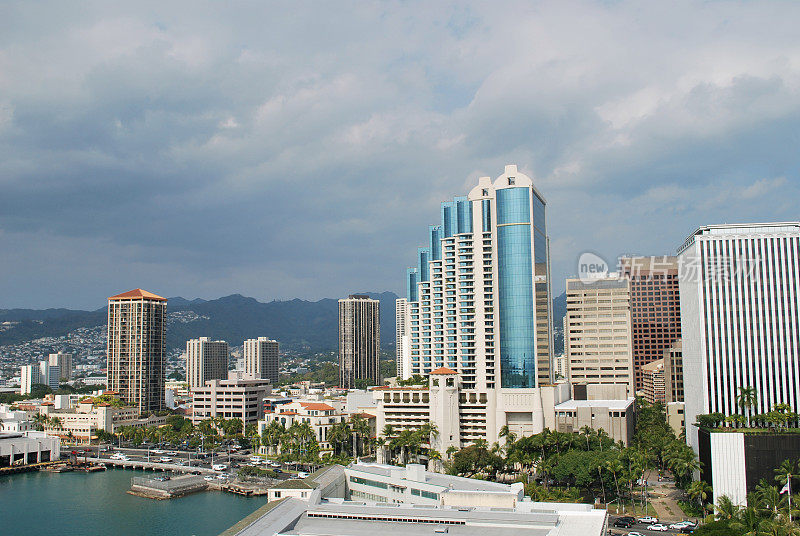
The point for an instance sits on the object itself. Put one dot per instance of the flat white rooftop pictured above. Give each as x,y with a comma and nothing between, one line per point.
456,483
610,404
294,517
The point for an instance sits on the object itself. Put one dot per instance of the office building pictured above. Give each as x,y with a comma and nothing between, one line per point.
673,373
675,417
371,498
402,338
261,359
206,360
231,399
359,341
653,385
136,348
597,337
62,363
617,418
740,292
655,308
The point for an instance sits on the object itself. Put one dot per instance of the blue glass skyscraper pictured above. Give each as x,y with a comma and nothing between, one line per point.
479,296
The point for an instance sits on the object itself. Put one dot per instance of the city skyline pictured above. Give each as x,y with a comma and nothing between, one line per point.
219,139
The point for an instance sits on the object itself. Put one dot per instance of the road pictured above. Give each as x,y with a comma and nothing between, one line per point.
638,527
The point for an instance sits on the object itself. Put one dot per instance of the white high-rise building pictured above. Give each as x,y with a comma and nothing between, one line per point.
63,362
261,359
403,353
29,375
38,373
740,292
205,360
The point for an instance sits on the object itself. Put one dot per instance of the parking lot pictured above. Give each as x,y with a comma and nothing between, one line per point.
232,461
640,528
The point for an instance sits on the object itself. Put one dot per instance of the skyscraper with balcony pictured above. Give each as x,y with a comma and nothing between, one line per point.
205,360
478,318
359,341
136,348
479,296
740,304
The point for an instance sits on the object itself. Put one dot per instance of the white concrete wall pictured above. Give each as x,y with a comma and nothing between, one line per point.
727,467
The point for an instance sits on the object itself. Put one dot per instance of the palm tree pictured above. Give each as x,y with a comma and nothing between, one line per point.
587,433
700,491
360,427
746,400
726,509
786,468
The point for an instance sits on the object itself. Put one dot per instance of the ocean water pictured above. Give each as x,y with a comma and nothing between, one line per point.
85,504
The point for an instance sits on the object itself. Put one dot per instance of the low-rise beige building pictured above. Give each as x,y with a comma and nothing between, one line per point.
615,417
242,399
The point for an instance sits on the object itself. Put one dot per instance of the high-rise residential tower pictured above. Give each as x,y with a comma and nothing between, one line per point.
205,360
597,332
740,304
655,308
479,297
136,348
63,362
403,348
359,340
262,359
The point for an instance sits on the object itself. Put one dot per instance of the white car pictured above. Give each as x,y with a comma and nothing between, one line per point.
679,525
172,453
255,459
634,533
165,459
658,526
302,474
648,519
219,467
157,451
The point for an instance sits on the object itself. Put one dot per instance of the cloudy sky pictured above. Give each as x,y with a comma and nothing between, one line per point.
299,149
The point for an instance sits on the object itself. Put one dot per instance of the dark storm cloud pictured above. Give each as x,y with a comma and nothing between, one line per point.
298,149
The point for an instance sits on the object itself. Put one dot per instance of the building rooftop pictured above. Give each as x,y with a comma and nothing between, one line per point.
456,483
137,294
443,370
610,404
294,517
293,483
653,366
742,229
317,406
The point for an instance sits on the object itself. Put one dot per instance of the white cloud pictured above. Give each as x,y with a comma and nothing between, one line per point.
252,139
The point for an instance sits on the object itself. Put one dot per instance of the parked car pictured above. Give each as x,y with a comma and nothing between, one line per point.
219,467
680,524
634,533
658,526
157,451
302,474
648,519
165,459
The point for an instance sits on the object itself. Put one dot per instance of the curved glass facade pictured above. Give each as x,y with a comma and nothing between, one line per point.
515,289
